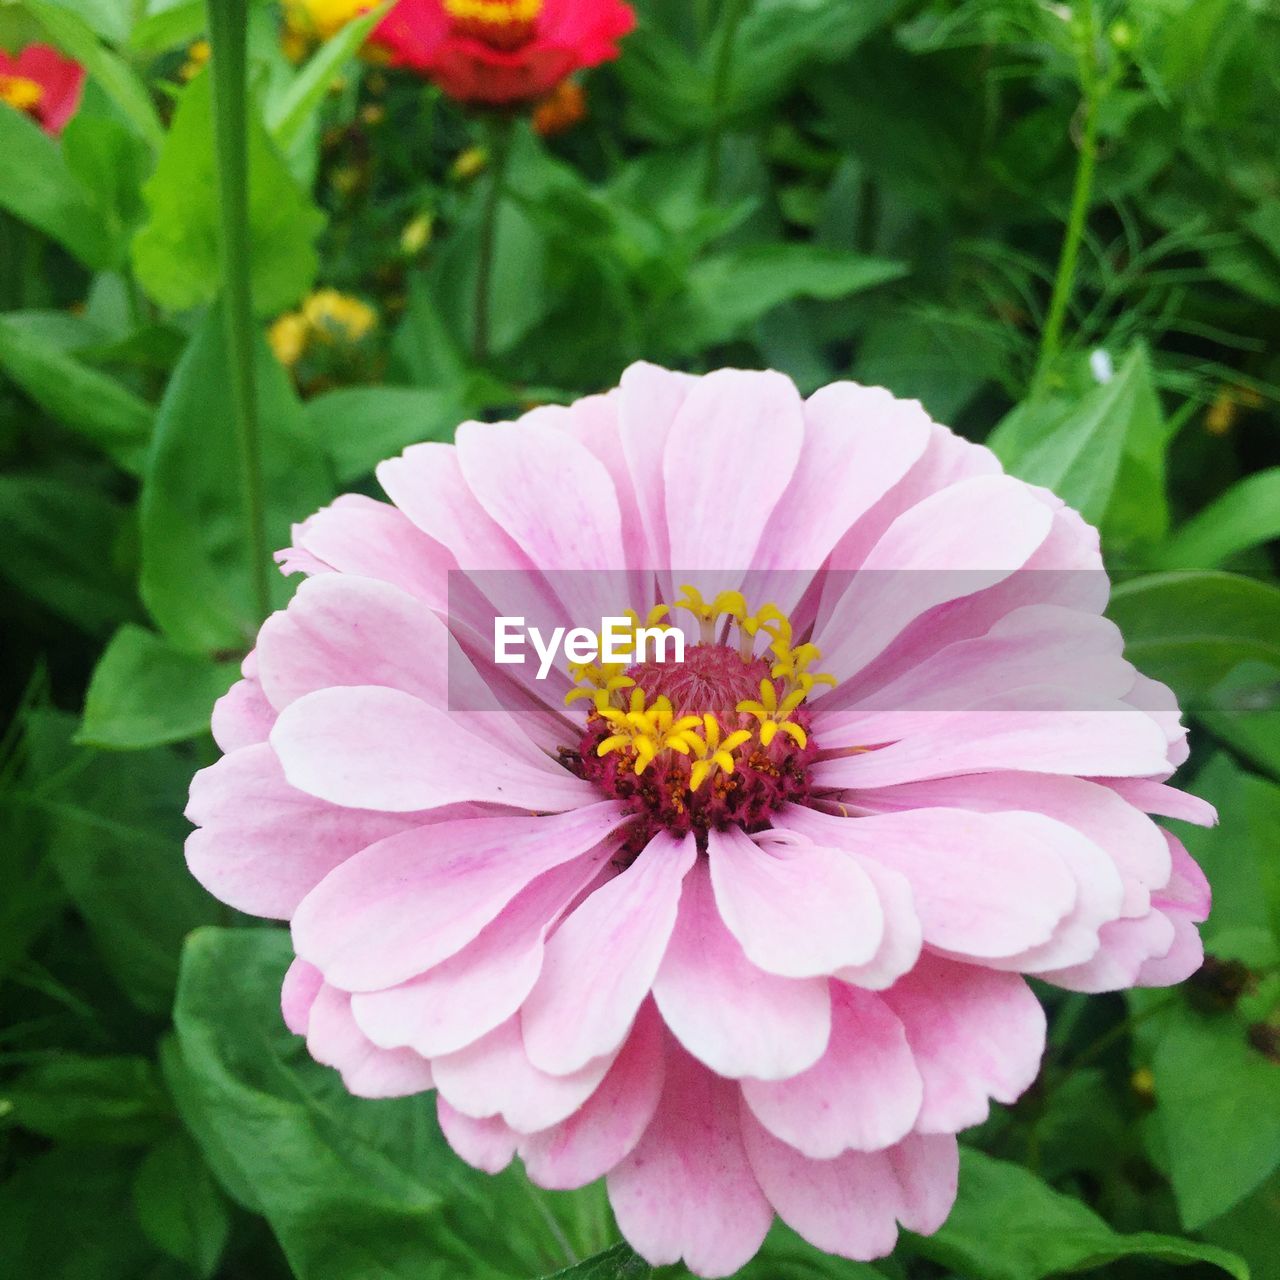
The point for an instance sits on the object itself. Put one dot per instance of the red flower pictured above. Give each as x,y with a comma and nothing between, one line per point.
500,52
42,83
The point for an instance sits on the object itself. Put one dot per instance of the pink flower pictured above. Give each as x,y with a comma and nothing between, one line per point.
43,84
503,52
746,935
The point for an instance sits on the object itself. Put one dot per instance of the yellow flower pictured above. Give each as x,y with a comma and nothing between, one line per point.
416,235
469,163
288,337
337,317
321,19
20,93
560,110
197,55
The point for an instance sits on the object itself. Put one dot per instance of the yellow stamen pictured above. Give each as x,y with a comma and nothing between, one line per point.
21,93
497,12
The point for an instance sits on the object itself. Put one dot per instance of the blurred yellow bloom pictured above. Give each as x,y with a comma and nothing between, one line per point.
469,163
288,337
19,92
197,55
320,19
338,317
560,110
1226,407
416,234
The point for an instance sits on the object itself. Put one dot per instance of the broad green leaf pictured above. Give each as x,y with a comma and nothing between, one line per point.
1218,1105
176,254
60,548
76,37
180,1207
196,573
165,24
287,116
1078,447
1243,711
351,1187
1009,1225
80,398
1191,629
68,1214
115,835
37,187
112,163
1246,515
728,292
360,426
145,693
75,1099
618,1263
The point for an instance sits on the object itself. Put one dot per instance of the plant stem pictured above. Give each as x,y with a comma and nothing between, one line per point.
227,20
1086,35
501,130
731,20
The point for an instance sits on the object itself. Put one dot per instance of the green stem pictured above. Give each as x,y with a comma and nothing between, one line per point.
501,131
1086,35
734,12
227,22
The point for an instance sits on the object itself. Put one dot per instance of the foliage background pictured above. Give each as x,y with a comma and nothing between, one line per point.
889,199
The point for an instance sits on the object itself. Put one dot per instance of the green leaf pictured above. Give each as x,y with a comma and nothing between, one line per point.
1218,1106
360,426
351,1187
1246,516
729,292
120,82
180,1207
618,1263
288,115
196,578
37,186
111,163
115,835
176,254
67,1214
165,24
59,543
1008,1225
80,398
145,693
1078,447
1191,629
119,1101
1243,711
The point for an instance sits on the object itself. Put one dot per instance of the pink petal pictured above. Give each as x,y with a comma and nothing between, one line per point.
797,908
731,1015
606,1128
1036,730
864,1093
480,987
982,885
1187,888
340,631
369,1072
1158,797
302,983
687,1190
1184,957
719,494
600,964
359,536
261,845
487,1144
974,1033
411,901
494,1077
847,1206
903,937
242,716
514,469
1124,947
375,748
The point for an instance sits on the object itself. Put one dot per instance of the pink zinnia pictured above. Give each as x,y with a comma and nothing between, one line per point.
42,83
745,936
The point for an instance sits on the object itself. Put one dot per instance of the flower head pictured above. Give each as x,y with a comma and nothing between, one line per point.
560,110
311,22
43,84
745,934
503,52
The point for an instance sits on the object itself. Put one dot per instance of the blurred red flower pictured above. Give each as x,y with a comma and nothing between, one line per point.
43,84
503,52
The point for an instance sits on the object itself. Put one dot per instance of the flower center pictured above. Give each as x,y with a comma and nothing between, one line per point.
720,739
20,93
502,24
